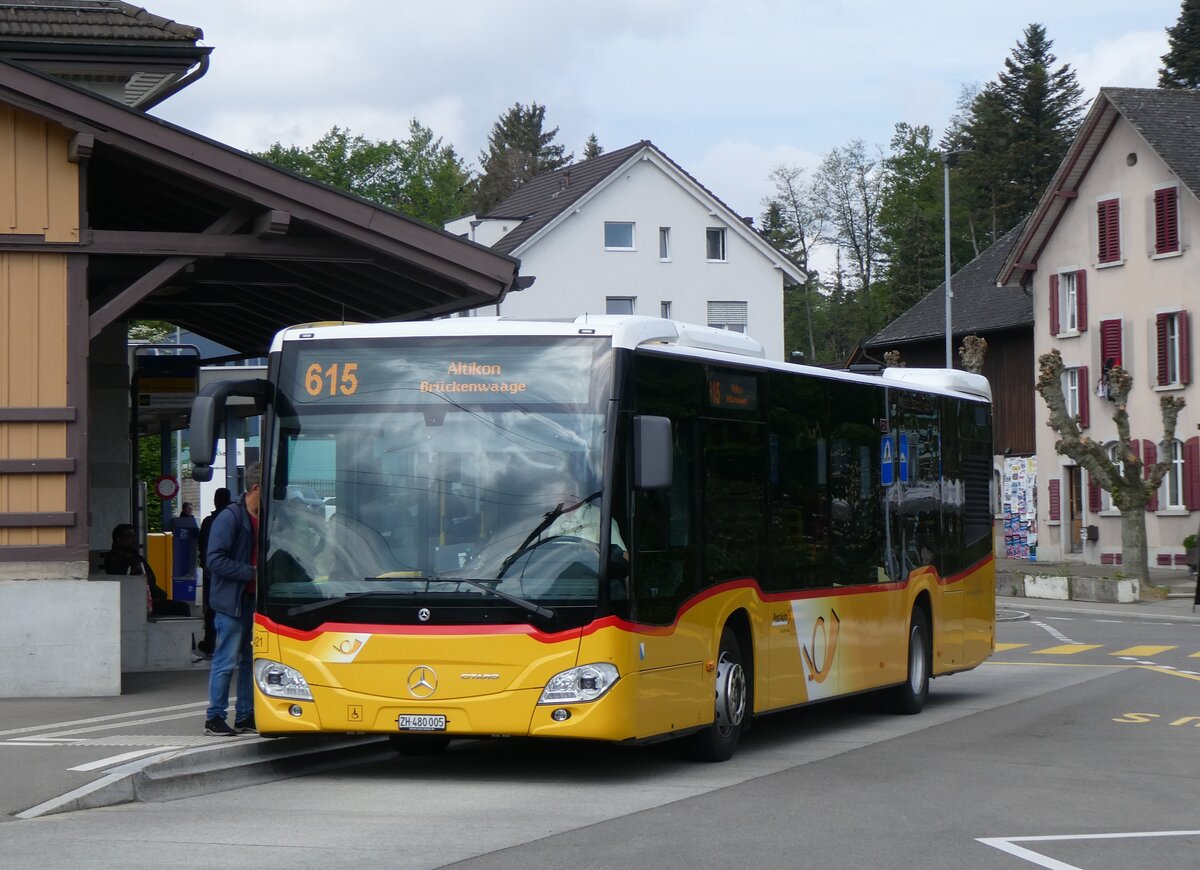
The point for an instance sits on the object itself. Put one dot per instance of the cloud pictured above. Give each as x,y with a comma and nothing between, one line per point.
1129,61
736,171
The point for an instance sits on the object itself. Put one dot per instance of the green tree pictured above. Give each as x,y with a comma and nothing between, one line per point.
420,176
910,219
592,147
1181,63
795,226
1017,130
518,149
847,189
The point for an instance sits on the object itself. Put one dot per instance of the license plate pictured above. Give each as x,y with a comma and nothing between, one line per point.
421,723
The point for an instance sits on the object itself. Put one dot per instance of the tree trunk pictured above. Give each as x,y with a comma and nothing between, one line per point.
1135,558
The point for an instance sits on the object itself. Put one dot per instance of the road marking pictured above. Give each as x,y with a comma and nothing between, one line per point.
1008,844
1005,647
1054,632
1117,621
1067,649
124,756
1195,655
132,713
1142,651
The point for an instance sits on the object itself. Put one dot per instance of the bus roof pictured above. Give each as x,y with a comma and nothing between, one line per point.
633,331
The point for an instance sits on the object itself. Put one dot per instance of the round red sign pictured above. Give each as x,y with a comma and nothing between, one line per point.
166,487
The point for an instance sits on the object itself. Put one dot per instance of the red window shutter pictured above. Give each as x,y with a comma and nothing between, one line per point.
1055,507
1185,354
1085,396
1108,224
1081,300
1150,458
1166,220
1191,473
1093,496
1110,342
1054,305
1164,368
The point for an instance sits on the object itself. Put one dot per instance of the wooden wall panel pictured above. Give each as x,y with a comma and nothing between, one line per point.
39,187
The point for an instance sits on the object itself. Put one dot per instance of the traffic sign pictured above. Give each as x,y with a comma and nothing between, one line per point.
166,487
886,468
902,457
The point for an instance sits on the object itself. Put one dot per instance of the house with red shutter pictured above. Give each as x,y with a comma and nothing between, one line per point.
1111,261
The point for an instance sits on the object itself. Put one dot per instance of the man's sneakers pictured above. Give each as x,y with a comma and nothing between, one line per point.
218,728
245,726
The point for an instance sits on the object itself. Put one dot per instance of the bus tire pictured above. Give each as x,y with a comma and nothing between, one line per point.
410,745
718,741
909,697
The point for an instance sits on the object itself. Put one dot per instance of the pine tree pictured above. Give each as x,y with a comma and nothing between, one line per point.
518,150
1181,63
1018,129
592,148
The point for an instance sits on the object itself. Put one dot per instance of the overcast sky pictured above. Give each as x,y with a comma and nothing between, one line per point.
727,90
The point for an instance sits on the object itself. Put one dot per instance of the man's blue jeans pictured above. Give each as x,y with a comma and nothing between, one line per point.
234,636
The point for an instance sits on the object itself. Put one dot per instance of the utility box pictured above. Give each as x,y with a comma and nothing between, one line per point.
186,539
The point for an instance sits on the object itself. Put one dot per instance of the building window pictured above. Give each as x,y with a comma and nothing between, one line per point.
618,236
619,305
1174,363
664,243
664,310
1166,220
715,241
1108,230
1172,488
1114,454
1068,302
1111,344
728,315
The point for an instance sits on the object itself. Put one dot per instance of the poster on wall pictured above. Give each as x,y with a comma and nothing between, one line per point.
1019,499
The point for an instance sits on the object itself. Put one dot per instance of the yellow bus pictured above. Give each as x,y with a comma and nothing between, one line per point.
620,528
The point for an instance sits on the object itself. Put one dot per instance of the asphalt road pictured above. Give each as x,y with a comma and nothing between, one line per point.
1062,749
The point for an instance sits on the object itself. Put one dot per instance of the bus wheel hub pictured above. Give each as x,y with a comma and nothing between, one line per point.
731,693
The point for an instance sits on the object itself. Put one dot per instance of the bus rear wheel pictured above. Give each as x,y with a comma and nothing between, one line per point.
419,744
909,697
718,741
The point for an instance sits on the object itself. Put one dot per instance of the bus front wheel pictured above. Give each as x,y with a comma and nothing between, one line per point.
909,697
718,741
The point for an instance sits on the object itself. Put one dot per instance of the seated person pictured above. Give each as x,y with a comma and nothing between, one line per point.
125,559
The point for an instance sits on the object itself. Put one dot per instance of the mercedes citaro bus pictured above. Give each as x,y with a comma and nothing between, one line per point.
619,528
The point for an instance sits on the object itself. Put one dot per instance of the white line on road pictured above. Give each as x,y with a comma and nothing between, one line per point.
124,756
26,743
32,728
1006,844
1061,618
1054,632
1117,621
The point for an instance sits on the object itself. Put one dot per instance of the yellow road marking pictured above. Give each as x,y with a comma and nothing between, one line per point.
1142,652
1169,673
1005,647
1067,649
1194,656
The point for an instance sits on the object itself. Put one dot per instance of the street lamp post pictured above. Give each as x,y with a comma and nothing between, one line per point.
949,159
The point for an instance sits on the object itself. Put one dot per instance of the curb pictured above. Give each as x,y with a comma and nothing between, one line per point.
177,774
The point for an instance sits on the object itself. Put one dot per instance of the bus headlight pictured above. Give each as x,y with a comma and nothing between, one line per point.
584,683
277,680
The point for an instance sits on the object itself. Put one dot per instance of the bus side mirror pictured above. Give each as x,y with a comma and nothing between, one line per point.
208,415
652,452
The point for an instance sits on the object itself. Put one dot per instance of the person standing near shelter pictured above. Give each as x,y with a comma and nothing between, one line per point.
221,501
231,557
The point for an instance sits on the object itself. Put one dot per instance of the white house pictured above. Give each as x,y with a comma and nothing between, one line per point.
1110,258
630,232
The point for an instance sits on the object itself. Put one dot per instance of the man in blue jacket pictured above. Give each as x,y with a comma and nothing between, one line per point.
231,559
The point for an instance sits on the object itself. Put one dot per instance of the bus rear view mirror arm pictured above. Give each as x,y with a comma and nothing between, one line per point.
652,452
208,417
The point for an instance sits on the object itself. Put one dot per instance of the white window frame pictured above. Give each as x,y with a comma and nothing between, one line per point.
664,309
1173,343
1106,503
1068,302
1071,387
632,236
723,236
664,244
609,300
733,320
1170,496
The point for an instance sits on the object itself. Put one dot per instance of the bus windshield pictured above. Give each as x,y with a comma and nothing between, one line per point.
415,473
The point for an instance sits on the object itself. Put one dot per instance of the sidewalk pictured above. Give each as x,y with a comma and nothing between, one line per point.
1180,585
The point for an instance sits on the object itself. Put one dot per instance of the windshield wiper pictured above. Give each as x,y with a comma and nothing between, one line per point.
547,521
327,602
545,612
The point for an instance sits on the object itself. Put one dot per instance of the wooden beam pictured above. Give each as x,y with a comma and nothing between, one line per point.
37,466
14,520
37,415
272,223
80,147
